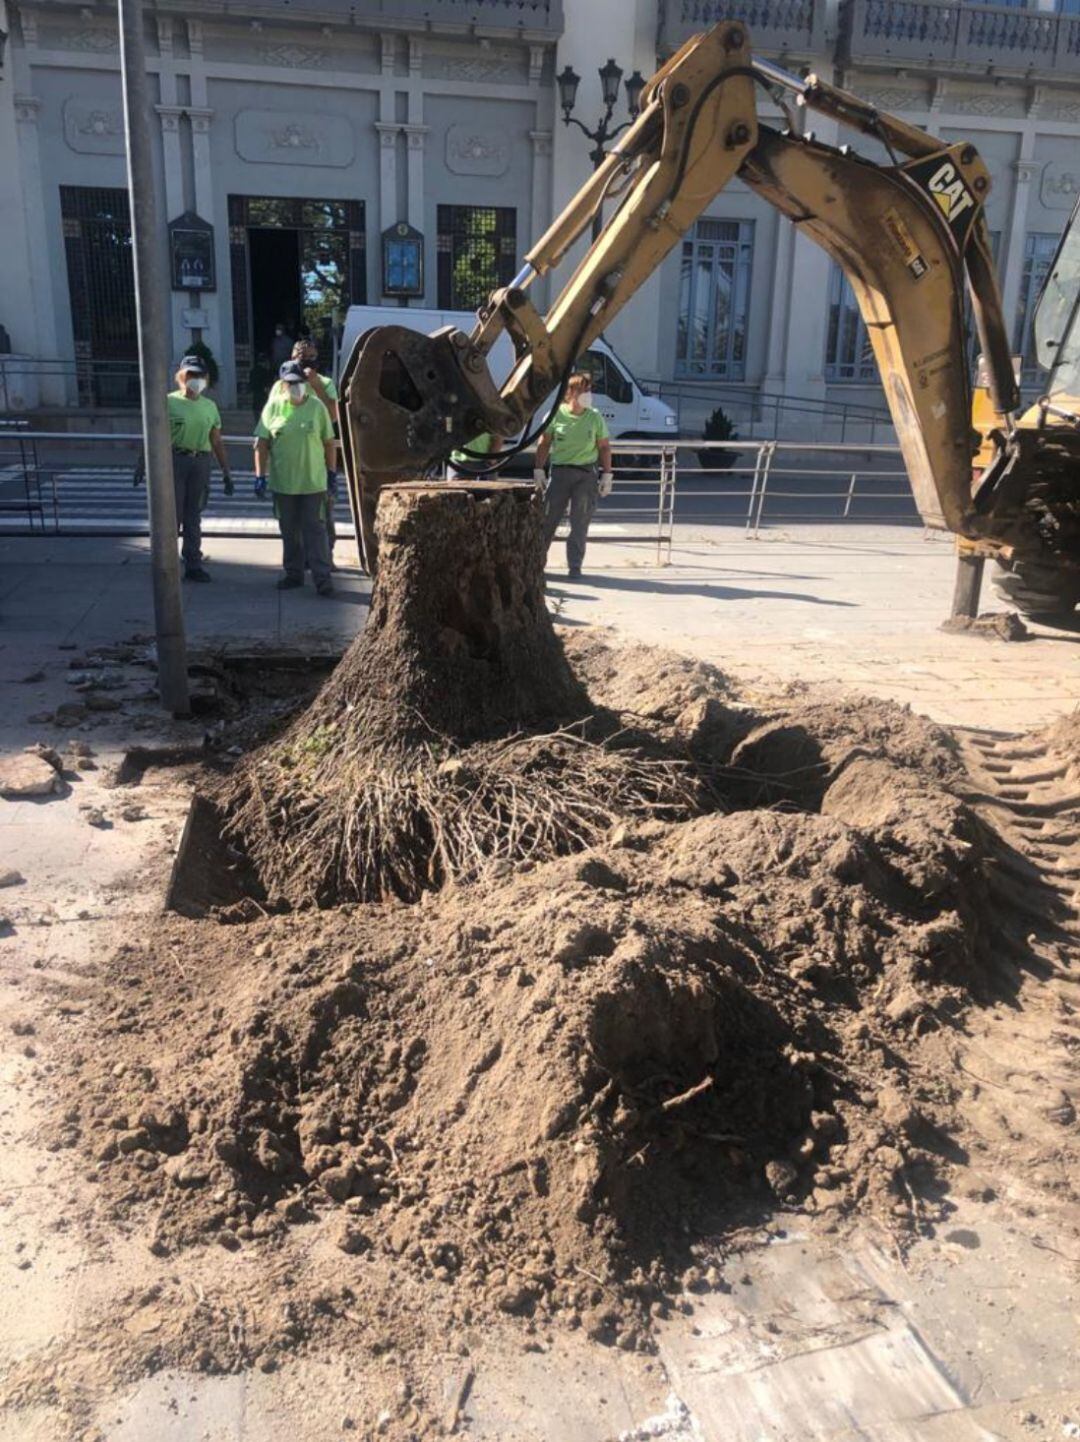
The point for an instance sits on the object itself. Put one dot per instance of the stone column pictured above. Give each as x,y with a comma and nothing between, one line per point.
414,162
540,204
47,343
1026,169
389,131
806,322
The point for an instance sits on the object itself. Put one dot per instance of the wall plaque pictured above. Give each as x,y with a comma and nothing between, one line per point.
191,253
402,260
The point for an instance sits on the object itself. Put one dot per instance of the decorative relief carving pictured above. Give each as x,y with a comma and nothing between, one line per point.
992,104
274,136
895,99
93,129
200,120
415,135
28,22
1059,187
97,41
170,117
1060,110
483,62
470,151
388,133
26,109
541,141
294,57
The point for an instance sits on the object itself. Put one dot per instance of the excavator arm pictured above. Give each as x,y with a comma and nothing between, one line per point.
905,235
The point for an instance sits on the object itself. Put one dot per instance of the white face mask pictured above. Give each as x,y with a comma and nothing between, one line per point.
296,391
585,397
197,384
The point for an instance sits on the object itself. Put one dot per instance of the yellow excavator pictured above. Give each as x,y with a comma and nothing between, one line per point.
907,236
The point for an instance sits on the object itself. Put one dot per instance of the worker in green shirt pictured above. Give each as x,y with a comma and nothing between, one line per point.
295,448
483,445
306,352
195,428
576,439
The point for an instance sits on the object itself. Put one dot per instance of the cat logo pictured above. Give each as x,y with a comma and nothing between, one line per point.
949,191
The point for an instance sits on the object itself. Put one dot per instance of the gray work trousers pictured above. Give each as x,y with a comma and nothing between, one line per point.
191,481
579,488
302,520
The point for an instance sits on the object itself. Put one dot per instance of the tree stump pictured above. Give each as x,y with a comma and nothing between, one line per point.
452,732
459,642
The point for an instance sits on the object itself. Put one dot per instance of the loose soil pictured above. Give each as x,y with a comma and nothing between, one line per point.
560,1094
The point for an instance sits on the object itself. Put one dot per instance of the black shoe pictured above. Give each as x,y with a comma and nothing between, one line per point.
324,588
574,573
196,574
289,583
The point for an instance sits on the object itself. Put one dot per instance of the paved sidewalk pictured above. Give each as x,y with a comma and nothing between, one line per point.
859,607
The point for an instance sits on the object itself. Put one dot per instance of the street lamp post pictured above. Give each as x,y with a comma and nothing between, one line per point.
610,76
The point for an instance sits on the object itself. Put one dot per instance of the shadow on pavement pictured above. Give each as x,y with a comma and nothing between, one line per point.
717,593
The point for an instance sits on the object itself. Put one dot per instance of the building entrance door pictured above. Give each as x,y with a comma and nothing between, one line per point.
297,264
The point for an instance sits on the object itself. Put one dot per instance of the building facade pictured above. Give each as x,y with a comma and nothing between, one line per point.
318,153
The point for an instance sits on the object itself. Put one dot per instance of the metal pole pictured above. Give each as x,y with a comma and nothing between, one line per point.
151,288
969,574
850,494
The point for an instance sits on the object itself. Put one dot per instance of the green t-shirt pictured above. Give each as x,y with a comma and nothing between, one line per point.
191,419
296,435
481,443
575,440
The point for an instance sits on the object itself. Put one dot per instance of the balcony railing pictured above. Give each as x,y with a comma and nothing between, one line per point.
777,27
540,18
964,36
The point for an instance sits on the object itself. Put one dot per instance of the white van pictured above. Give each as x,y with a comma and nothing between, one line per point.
629,412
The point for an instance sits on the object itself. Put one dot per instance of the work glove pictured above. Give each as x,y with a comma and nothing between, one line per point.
227,483
260,486
540,477
607,483
332,482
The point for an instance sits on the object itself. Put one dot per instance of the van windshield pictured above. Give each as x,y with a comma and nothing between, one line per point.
1057,315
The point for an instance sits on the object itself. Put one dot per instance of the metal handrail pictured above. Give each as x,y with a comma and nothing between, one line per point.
647,496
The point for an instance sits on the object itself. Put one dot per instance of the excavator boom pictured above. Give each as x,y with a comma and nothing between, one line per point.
906,235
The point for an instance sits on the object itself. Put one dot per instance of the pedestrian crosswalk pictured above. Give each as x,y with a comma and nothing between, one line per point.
101,500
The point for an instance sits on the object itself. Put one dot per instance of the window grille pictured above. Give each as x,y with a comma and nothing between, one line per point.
477,253
101,284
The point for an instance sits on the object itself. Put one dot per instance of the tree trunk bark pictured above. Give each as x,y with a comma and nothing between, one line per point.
459,641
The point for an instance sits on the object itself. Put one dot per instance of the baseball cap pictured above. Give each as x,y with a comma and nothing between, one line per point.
292,373
194,364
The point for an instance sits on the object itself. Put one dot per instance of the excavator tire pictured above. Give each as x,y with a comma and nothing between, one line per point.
1038,590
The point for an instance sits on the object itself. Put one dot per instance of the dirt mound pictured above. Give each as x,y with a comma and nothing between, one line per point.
552,1093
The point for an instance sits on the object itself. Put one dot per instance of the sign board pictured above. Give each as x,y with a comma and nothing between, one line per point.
402,261
191,253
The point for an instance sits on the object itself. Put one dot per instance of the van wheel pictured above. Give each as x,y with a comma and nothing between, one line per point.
1039,590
